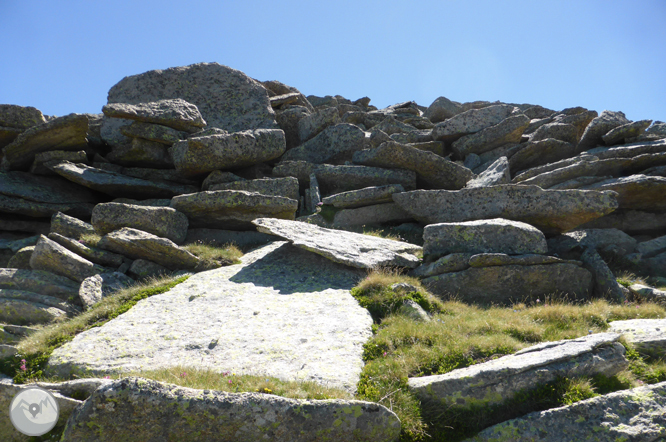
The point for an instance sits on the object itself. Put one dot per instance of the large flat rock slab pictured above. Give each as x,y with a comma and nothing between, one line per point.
551,211
508,284
501,379
283,312
631,416
352,249
142,409
648,335
39,281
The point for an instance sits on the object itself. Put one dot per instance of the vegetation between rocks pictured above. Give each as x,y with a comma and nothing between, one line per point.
34,351
460,335
212,256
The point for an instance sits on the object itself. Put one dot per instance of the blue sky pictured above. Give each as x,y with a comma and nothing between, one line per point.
63,56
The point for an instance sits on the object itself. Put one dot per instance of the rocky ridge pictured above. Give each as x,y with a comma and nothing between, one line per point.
508,202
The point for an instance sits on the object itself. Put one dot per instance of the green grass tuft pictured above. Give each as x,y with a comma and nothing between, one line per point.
213,257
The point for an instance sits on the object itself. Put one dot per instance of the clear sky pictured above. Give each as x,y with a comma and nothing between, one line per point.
63,56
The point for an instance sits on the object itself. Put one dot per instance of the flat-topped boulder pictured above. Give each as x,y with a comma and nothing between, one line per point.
337,179
508,284
647,335
62,133
175,113
371,215
363,197
161,221
482,236
53,190
435,171
138,244
51,301
510,130
52,257
638,414
200,155
133,407
15,310
470,121
495,381
283,312
117,184
352,249
232,209
551,211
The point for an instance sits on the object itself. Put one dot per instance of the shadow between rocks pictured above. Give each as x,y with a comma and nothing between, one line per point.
289,269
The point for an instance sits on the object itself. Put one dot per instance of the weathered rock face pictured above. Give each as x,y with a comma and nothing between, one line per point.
371,215
335,143
352,249
605,284
94,255
69,226
188,415
538,153
509,130
441,109
141,153
62,133
286,187
337,179
232,209
117,184
200,155
638,192
174,113
20,117
39,281
495,174
638,414
52,257
226,98
434,170
42,160
483,236
604,240
495,381
600,126
505,285
137,244
161,221
551,211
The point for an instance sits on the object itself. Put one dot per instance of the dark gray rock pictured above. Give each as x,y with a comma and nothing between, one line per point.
470,121
557,131
144,269
39,168
312,124
632,222
153,132
21,259
286,187
363,197
371,215
161,221
454,262
605,284
39,281
232,209
505,285
502,259
538,153
652,247
551,211
288,120
337,179
200,155
441,109
62,133
637,192
603,240
141,153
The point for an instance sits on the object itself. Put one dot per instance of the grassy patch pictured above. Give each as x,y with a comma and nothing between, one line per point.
36,349
90,239
213,257
461,335
206,379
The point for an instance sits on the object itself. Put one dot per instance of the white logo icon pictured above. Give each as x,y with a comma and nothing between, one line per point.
34,411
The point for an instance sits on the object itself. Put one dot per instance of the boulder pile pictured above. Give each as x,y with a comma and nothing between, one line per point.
508,202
